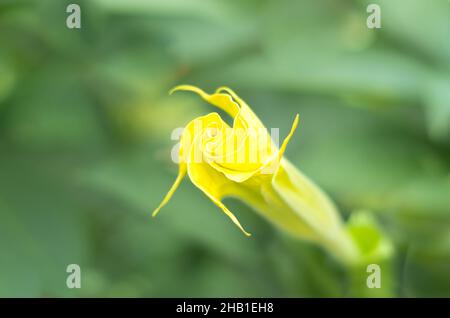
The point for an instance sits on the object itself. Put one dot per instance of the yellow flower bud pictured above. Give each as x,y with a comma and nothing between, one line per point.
242,161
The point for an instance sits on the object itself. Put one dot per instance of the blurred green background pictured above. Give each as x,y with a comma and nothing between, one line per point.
85,125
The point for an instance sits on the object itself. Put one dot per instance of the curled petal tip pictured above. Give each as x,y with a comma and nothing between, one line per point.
244,231
188,88
182,88
225,89
174,89
296,120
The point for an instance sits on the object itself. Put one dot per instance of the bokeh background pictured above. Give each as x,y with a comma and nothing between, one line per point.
85,125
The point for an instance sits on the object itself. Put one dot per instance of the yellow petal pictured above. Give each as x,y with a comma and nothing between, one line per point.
272,166
181,174
288,137
305,198
229,214
263,199
187,139
213,184
223,101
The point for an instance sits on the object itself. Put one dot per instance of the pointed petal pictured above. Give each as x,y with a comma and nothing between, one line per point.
213,184
228,213
181,174
288,137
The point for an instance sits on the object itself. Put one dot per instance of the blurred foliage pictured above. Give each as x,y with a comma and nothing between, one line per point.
85,126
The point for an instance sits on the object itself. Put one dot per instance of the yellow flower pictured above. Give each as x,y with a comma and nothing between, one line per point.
242,161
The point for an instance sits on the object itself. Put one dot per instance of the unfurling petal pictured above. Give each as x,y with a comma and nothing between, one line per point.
270,183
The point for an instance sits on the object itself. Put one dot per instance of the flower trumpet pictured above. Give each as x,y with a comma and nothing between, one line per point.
243,161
